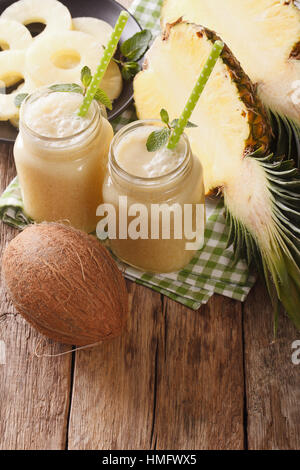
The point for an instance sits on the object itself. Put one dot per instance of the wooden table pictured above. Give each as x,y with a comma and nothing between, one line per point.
177,379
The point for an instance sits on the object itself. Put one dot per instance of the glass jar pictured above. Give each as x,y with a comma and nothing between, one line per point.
61,177
157,251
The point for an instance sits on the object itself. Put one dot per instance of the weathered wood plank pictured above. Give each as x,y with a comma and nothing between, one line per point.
173,381
200,382
34,393
114,384
272,380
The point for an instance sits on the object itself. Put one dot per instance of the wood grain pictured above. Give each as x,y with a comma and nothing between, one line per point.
34,392
272,380
177,379
200,383
174,381
114,385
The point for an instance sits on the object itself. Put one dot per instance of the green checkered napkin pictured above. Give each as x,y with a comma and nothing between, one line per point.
211,270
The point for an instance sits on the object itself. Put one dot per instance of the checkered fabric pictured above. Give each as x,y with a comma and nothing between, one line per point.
212,269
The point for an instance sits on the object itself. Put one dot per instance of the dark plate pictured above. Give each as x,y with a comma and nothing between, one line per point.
107,10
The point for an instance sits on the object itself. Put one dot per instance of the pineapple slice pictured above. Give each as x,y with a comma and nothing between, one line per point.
52,13
99,29
15,122
12,65
59,58
12,70
264,35
232,141
14,35
112,82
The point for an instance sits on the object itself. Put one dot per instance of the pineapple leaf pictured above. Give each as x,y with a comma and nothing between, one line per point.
281,268
287,137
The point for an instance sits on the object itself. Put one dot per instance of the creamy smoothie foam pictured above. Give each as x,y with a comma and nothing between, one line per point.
55,115
172,177
132,155
61,158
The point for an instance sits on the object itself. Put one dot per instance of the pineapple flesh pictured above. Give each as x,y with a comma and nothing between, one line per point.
59,58
264,35
52,13
233,140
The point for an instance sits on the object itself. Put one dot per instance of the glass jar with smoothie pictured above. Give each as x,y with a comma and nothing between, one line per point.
61,158
164,183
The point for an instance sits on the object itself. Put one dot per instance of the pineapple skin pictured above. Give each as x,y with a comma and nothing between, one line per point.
260,129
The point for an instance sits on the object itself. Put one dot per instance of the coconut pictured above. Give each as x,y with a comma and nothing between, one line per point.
66,284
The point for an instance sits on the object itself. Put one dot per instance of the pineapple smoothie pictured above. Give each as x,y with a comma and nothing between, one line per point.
61,158
165,179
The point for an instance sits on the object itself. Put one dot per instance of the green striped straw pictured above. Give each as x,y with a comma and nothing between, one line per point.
106,58
193,99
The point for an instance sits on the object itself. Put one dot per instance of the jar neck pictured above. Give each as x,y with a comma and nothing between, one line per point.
124,178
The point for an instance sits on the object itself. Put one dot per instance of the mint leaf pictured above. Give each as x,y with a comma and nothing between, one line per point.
102,97
20,98
86,76
157,139
164,116
135,47
189,123
130,69
67,87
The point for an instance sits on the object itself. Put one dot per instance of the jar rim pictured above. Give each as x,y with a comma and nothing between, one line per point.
47,90
140,180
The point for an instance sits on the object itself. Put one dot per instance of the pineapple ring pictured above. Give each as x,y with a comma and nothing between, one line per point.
50,57
112,82
52,13
14,35
12,65
59,58
99,29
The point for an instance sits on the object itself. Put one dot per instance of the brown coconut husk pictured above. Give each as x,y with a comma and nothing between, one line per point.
66,284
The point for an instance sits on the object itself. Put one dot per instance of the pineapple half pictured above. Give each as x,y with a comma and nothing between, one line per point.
264,35
233,141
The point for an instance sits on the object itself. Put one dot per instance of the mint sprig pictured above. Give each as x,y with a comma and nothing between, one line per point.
67,87
135,47
102,98
159,138
86,78
132,50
